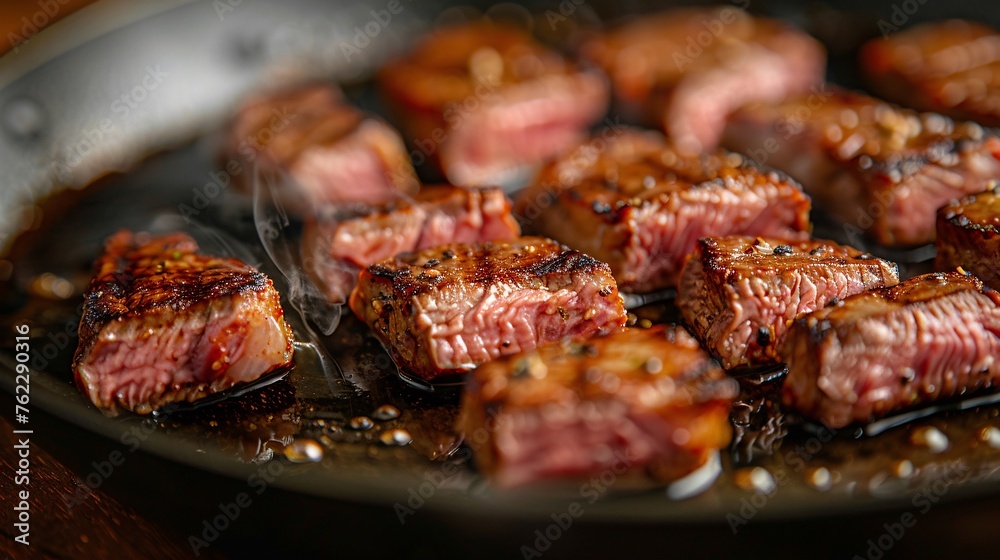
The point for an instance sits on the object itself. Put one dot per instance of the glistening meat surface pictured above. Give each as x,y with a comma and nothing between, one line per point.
967,236
337,245
331,151
443,311
876,168
739,294
686,69
640,400
931,337
634,202
488,103
162,324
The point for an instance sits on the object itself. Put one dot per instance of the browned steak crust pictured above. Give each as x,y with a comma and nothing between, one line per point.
337,246
162,323
739,294
630,200
487,102
968,236
879,169
931,337
639,400
332,151
445,310
948,67
686,69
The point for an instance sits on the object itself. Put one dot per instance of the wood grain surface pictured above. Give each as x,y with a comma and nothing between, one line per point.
68,519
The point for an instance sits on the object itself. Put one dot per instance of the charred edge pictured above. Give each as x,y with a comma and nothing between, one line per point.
764,336
960,221
567,261
382,271
177,291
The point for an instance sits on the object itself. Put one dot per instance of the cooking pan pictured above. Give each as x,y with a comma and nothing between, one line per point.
110,118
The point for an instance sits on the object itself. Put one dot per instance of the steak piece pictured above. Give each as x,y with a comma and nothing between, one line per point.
637,204
164,324
950,67
968,236
642,399
336,247
931,337
740,294
686,69
488,103
334,152
875,167
443,311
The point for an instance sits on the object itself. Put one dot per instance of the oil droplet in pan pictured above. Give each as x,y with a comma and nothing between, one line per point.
930,437
361,423
990,436
385,412
903,469
757,479
303,451
820,478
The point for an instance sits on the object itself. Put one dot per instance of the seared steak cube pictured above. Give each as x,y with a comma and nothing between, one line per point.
640,206
879,169
739,294
686,69
646,399
968,236
443,311
336,246
488,103
333,152
164,324
948,67
931,337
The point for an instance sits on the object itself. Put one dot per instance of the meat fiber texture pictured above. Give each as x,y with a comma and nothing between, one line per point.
947,66
739,294
967,236
629,199
337,245
164,324
443,311
488,104
928,338
876,168
686,69
639,401
325,150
